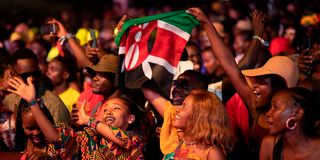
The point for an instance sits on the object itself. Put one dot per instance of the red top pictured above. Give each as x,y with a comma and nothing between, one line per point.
239,117
92,99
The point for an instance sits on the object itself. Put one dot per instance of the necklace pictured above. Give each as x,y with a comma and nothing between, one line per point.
189,143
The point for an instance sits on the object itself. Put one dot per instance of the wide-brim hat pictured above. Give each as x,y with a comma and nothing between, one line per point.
108,63
277,65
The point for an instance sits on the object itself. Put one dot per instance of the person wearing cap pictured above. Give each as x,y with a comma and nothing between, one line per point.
255,86
103,75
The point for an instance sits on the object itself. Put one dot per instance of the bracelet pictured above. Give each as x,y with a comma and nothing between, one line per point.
65,38
32,103
93,123
68,36
264,42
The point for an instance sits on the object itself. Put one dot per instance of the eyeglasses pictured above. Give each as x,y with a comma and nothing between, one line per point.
184,84
34,74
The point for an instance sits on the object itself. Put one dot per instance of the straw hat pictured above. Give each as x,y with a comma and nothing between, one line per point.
277,65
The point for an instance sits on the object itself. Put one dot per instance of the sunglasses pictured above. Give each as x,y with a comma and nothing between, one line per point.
106,75
34,74
184,84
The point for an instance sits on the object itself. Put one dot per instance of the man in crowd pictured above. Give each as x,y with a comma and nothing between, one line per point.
60,72
25,64
103,77
185,83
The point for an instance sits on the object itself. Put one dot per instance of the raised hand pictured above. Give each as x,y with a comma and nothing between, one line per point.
258,22
82,115
61,31
25,91
119,25
94,54
198,13
305,61
74,114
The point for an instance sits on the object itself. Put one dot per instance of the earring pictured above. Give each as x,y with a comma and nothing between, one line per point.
291,123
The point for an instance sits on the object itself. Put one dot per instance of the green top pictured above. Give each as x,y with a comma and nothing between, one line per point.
180,19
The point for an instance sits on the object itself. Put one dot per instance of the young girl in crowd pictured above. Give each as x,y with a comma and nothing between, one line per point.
102,139
120,141
36,143
292,119
261,83
204,122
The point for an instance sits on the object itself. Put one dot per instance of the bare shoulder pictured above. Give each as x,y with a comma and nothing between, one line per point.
316,147
216,154
314,150
266,148
269,140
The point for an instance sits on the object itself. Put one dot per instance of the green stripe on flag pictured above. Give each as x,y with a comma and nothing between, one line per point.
180,19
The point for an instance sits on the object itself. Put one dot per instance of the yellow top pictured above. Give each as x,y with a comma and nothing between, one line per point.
69,97
169,139
188,152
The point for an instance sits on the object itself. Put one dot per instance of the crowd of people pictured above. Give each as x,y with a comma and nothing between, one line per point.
249,90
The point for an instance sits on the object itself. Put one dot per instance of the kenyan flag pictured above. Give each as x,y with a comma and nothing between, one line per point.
152,47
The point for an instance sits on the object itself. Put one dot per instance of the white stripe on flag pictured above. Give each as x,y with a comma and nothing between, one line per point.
122,50
146,68
174,29
162,62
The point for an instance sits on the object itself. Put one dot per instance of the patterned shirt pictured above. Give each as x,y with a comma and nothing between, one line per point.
7,129
66,147
94,146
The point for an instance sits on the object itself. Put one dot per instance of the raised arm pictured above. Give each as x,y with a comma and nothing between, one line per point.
155,99
251,56
27,92
224,56
102,128
77,50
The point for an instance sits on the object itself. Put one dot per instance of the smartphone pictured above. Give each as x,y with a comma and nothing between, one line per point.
309,46
49,29
308,53
94,38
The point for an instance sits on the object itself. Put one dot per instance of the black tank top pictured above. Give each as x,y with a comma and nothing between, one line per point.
277,148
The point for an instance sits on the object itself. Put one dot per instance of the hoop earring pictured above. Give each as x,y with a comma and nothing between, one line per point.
291,123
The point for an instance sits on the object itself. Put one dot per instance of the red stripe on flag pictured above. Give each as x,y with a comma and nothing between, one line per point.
168,46
142,43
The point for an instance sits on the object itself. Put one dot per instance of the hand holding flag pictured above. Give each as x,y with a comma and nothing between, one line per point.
152,47
198,14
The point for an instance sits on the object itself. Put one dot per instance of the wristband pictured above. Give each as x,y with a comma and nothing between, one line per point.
93,123
65,38
32,103
68,36
264,42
